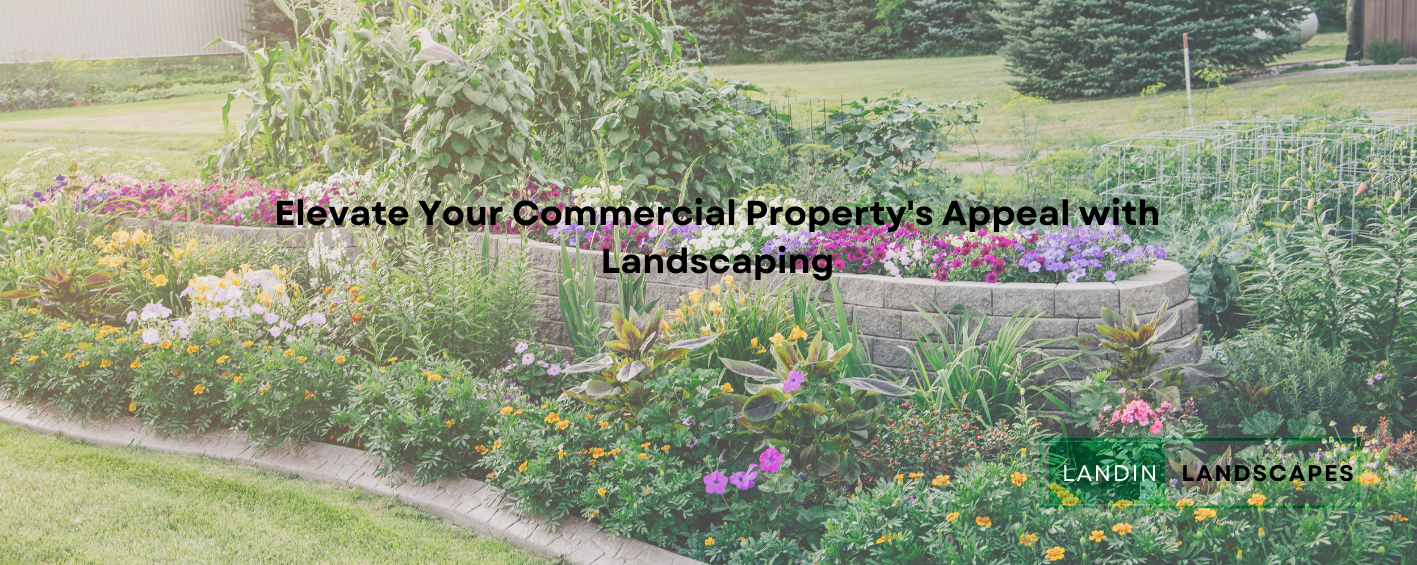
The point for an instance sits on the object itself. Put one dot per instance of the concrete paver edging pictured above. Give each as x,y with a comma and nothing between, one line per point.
468,503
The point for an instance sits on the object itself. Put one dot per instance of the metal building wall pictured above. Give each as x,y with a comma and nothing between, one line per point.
1391,19
38,30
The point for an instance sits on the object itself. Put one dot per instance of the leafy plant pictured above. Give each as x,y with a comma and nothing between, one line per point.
1262,424
806,407
954,371
1129,352
66,292
1384,52
430,414
575,295
896,132
1292,378
635,357
677,128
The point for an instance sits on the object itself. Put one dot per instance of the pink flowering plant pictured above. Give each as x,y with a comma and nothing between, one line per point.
1134,417
1070,254
220,201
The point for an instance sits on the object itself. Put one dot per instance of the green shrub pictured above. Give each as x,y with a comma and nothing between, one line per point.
1384,52
430,414
1288,376
1313,282
1073,48
287,394
896,133
677,130
429,299
940,441
983,516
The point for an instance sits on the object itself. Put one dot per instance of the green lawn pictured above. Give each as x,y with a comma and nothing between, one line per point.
983,78
177,132
66,502
1323,47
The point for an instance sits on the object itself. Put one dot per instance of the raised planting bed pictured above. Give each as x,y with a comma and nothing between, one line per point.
885,308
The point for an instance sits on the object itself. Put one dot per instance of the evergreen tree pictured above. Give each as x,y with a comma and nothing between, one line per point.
1070,48
774,25
842,30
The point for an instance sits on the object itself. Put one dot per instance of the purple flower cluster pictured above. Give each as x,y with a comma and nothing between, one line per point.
769,461
1078,253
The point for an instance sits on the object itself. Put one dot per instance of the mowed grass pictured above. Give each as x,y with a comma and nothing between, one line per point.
985,79
177,132
66,502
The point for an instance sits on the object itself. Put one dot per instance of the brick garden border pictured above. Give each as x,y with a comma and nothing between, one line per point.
468,503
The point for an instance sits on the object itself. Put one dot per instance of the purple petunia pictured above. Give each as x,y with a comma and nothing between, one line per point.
771,460
715,482
794,381
744,479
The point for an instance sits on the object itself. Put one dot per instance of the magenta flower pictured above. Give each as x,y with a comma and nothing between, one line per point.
771,460
715,482
794,381
744,479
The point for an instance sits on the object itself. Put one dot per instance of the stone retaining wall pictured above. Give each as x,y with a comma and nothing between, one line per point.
884,308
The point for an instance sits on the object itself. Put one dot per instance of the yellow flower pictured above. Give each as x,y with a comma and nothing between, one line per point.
646,445
481,450
1097,536
1368,478
339,359
1298,484
708,541
1256,500
560,454
309,395
1184,502
715,307
983,521
604,423
665,448
1018,478
135,364
1027,540
222,359
132,406
563,424
393,359
302,358
250,343
552,418
288,352
717,290
727,388
522,468
1203,514
450,422
728,279
601,491
900,477
940,480
1055,553
106,364
64,326
199,389
916,475
490,475
776,338
433,378
664,327
505,410
952,516
1396,518
1122,529
34,358
160,281
1122,504
694,296
796,334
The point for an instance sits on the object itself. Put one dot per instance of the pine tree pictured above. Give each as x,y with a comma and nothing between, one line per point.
1070,48
773,26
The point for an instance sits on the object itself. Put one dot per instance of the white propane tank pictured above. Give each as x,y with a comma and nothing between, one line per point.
1303,32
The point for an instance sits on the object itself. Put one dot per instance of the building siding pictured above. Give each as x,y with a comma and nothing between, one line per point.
1391,19
109,29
